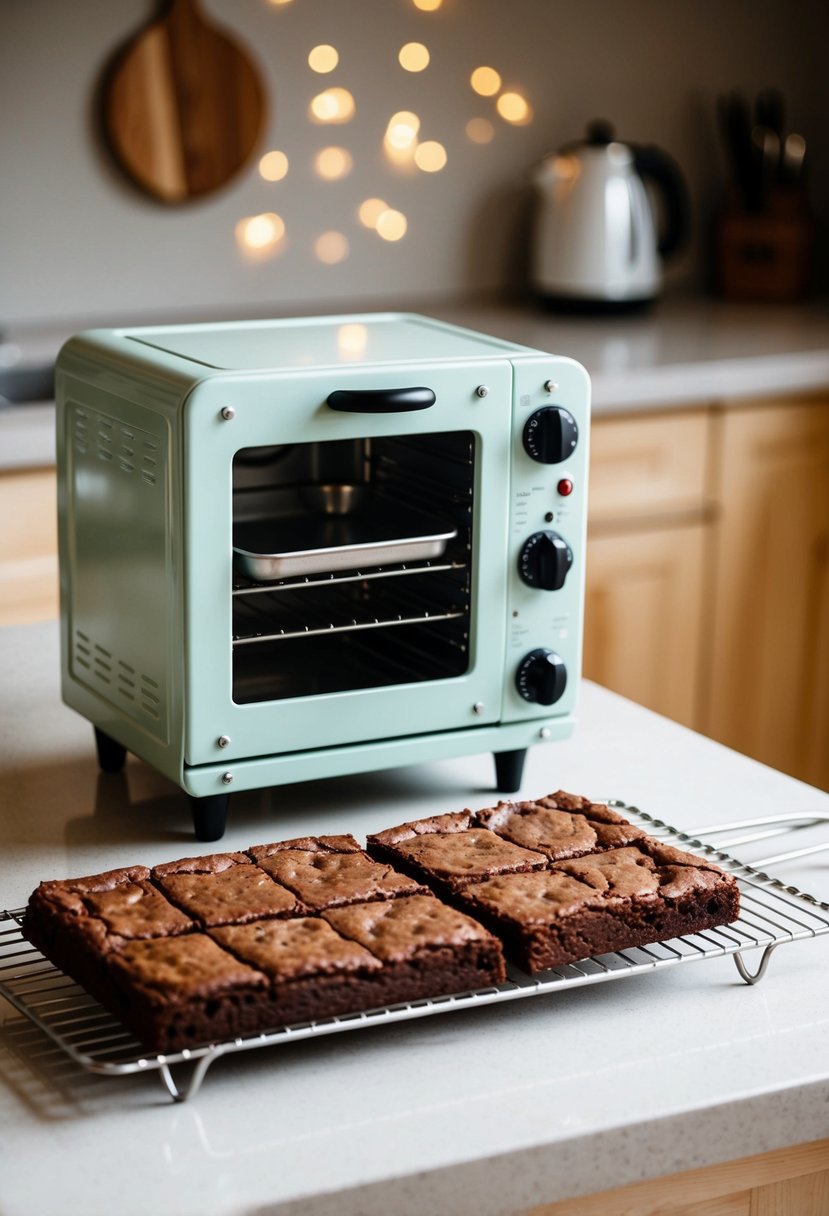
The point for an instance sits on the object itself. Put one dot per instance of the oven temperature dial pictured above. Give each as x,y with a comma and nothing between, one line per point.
545,560
541,677
550,434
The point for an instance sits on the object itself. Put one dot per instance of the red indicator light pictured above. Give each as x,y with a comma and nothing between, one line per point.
565,487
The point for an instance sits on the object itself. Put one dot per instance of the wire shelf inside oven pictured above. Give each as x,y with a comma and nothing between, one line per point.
771,914
348,606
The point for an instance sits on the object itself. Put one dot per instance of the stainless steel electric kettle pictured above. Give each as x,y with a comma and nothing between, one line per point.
597,241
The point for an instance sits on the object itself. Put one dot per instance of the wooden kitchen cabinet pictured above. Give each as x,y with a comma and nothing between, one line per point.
768,684
786,1182
28,546
643,616
708,573
648,535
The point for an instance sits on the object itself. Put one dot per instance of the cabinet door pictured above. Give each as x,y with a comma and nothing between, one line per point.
769,678
648,467
643,616
28,547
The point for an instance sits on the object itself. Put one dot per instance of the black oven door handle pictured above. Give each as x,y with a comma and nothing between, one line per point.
380,400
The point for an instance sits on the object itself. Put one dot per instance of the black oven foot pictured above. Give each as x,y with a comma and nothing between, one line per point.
111,755
209,816
509,768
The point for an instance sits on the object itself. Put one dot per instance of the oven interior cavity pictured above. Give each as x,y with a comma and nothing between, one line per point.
352,564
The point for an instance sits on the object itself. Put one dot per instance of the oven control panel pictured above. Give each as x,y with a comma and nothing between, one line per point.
548,503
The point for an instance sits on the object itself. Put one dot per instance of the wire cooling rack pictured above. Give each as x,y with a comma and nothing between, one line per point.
771,914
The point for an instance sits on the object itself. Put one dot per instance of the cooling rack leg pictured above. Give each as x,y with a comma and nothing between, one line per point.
761,970
180,1093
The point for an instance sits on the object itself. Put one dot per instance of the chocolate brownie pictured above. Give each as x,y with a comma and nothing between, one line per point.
450,850
328,871
234,943
178,991
79,922
559,825
363,956
433,948
264,961
314,972
224,889
643,893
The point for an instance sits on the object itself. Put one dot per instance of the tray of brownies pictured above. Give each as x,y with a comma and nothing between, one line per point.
145,968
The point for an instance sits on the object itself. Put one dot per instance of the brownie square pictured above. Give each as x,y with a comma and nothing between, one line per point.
224,889
450,850
439,948
560,825
78,922
295,949
329,871
642,893
114,906
314,972
184,990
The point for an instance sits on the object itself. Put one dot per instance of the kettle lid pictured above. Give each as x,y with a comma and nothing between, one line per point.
600,137
600,133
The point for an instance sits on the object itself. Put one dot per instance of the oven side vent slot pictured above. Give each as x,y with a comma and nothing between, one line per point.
117,594
119,677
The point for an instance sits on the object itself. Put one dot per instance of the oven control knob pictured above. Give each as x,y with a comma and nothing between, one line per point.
550,435
544,561
541,677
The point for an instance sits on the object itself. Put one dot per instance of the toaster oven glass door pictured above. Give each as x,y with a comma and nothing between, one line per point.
346,568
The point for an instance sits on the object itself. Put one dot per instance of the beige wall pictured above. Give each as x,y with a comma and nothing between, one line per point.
78,243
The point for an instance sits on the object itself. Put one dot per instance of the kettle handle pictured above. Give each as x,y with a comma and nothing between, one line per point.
652,164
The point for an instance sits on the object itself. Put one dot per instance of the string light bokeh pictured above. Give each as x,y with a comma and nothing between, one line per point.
405,147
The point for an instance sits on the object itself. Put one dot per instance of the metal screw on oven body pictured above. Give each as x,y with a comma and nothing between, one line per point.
478,708
544,733
550,386
227,778
223,740
228,413
482,391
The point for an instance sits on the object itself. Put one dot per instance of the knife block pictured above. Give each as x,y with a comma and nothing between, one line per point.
765,255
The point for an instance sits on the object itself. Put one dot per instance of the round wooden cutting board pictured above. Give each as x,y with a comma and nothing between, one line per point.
183,106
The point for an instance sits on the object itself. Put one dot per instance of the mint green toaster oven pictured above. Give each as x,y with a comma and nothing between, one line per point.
294,549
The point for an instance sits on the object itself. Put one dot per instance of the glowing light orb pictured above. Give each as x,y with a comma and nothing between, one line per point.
414,57
514,108
334,105
391,225
331,247
333,163
260,232
480,131
485,81
430,156
402,130
323,58
273,166
370,210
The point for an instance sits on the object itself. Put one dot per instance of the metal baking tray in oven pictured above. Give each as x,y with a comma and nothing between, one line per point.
340,528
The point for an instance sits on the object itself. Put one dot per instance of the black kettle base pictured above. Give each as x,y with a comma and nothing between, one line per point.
584,306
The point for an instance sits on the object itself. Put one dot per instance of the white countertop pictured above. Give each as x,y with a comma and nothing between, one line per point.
686,350
491,1110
